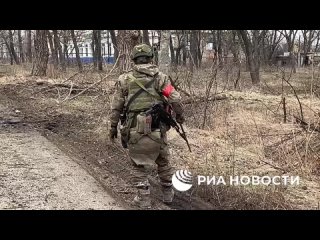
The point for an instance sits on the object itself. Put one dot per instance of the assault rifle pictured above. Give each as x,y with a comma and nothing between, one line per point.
165,117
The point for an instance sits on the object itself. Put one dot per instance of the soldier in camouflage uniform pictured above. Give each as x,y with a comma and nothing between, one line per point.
145,149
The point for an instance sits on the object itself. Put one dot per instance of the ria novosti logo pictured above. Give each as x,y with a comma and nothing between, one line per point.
182,180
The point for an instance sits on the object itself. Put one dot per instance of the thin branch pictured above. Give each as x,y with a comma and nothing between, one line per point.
94,84
178,88
296,95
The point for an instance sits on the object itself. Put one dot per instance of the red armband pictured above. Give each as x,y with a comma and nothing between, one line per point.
167,90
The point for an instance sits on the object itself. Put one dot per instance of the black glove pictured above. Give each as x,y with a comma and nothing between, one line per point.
180,119
113,133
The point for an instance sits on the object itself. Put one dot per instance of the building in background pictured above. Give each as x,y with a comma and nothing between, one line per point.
84,42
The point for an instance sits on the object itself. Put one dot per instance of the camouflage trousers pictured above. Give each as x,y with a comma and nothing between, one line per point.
140,172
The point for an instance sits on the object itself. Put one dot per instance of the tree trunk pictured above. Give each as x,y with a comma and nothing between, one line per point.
29,46
276,38
114,43
126,40
199,54
264,53
292,57
253,63
41,54
172,55
317,43
235,48
74,40
290,36
94,48
64,61
194,49
58,47
219,47
184,48
12,50
254,72
164,59
20,46
53,51
310,40
97,44
8,49
178,57
305,41
145,38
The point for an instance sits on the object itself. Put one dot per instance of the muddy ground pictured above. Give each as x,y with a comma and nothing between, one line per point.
79,128
106,162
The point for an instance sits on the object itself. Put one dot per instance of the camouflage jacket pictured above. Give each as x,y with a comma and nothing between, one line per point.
126,87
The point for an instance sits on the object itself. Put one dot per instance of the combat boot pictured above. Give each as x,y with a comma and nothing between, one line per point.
168,194
143,199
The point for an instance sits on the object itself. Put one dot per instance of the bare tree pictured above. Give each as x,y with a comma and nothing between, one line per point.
11,47
317,43
194,49
252,45
164,58
4,37
94,49
75,44
41,54
20,46
145,37
29,46
290,36
184,47
126,40
199,47
272,40
64,60
219,45
54,53
114,43
57,46
179,46
97,48
172,55
308,38
8,49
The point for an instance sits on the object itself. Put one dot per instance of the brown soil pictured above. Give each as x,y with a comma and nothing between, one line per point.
79,128
73,134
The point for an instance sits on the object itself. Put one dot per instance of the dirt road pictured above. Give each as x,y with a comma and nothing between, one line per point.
35,174
53,158
58,151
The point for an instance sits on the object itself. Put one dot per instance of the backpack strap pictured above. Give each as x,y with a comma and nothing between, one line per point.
142,88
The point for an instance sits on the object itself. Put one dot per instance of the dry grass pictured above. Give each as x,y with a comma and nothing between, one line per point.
243,135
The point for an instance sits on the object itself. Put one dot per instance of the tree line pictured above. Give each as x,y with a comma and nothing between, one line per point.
256,48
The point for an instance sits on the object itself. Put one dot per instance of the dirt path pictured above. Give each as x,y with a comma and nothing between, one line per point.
105,162
78,131
35,174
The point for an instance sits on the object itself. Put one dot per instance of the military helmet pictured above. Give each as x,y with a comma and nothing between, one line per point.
141,50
